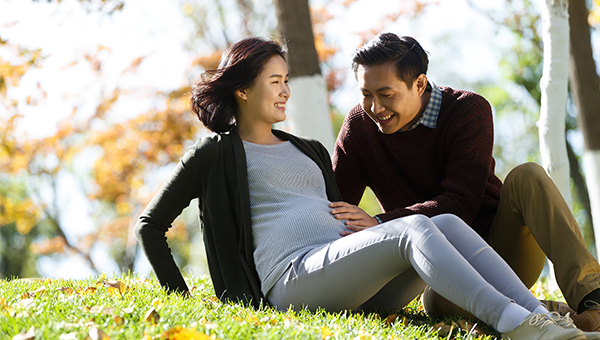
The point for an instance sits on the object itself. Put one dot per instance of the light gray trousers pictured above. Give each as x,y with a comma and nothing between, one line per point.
388,265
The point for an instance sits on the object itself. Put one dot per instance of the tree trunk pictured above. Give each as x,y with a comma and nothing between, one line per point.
585,86
307,109
554,86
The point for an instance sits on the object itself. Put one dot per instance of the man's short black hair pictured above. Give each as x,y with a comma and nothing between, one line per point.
405,52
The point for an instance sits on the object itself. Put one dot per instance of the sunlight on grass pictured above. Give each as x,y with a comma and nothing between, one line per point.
130,307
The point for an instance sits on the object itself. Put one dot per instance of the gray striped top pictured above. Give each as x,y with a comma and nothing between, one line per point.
289,208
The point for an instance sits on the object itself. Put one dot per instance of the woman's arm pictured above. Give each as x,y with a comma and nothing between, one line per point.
152,226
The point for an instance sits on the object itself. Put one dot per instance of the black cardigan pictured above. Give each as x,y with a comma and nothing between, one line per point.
214,171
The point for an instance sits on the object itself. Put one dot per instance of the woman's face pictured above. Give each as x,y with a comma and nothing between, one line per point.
266,98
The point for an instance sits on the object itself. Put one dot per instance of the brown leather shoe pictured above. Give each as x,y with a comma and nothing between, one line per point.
556,306
587,321
565,321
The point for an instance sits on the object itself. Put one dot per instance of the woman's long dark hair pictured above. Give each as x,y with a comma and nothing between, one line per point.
213,99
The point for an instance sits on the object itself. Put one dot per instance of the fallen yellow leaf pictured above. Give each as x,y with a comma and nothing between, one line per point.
29,335
68,336
36,292
118,320
152,316
114,286
103,310
96,333
180,333
390,319
67,290
326,332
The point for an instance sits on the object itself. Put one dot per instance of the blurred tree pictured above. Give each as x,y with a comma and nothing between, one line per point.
585,86
17,230
554,84
521,65
307,108
127,151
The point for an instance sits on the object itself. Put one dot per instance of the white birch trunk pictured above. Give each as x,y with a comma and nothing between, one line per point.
591,167
307,110
555,24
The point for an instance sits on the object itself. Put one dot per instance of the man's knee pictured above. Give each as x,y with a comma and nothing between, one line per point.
527,171
529,177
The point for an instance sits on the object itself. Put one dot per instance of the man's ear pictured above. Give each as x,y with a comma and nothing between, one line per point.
421,83
241,94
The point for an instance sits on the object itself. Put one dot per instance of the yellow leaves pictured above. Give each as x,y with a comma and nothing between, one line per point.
11,74
35,293
49,246
23,212
326,332
188,8
5,309
114,286
209,61
180,333
25,335
96,333
152,316
444,329
594,18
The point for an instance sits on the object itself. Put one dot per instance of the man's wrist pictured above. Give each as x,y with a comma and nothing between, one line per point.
378,219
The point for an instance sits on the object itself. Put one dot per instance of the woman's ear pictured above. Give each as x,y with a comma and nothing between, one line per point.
241,94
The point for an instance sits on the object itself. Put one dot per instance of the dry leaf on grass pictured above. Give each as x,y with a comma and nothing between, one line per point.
114,286
212,301
180,333
96,333
471,328
5,308
25,303
390,319
444,329
34,293
68,336
29,335
66,290
118,320
152,316
103,310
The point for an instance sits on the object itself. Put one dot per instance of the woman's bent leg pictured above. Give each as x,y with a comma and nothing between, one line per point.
346,273
388,298
485,260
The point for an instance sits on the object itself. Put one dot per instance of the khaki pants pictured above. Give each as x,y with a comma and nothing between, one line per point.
533,222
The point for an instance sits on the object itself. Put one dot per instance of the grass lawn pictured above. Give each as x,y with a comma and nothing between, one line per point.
129,307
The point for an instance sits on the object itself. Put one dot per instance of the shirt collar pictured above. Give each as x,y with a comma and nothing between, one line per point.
432,110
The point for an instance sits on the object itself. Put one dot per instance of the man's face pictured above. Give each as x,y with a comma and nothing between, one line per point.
390,103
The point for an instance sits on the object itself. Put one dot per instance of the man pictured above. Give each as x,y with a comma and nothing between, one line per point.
425,149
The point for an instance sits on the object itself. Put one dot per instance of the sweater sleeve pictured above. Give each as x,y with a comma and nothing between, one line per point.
347,166
152,226
469,139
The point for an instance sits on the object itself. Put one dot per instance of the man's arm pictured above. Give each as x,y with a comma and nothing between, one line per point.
349,170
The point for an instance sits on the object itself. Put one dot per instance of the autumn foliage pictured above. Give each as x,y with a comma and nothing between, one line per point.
121,156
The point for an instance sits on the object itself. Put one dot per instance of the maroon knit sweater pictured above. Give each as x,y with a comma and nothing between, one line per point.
449,169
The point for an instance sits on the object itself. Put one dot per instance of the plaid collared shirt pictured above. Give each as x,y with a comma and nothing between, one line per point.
432,111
